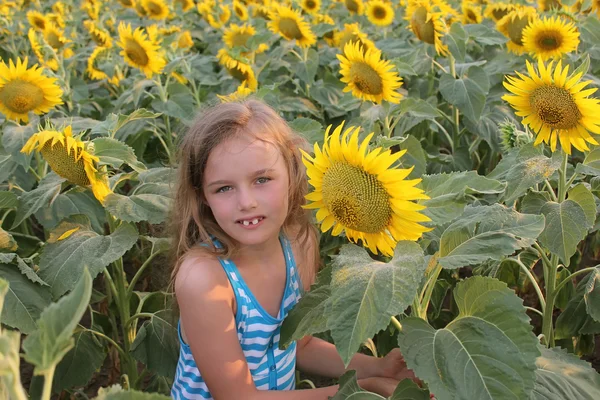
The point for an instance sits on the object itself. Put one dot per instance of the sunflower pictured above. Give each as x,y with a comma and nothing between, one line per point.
555,105
512,26
186,5
380,13
140,52
550,38
220,18
241,93
97,74
54,37
427,23
263,12
127,3
290,24
37,20
237,36
24,90
357,192
496,11
99,36
326,19
38,49
240,10
367,76
352,34
311,6
548,5
354,6
596,7
155,9
239,69
471,13
184,41
70,158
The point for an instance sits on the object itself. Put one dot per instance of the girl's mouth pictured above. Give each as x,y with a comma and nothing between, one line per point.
250,222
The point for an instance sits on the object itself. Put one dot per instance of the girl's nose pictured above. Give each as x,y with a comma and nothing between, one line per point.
246,200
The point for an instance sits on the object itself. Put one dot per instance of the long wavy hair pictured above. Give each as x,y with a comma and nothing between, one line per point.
192,221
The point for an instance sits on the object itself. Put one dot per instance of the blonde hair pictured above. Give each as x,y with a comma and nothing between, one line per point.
192,221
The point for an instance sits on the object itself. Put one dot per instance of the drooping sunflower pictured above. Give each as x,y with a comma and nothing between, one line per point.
70,158
596,7
548,5
289,23
37,20
358,192
155,9
260,11
241,92
380,13
140,52
184,40
555,105
471,13
219,16
496,11
38,49
97,74
239,69
240,10
367,76
238,36
127,3
512,26
426,20
55,38
99,35
24,90
186,5
354,6
352,34
311,6
550,38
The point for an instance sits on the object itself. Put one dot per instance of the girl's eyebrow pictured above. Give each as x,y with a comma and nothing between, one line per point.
253,174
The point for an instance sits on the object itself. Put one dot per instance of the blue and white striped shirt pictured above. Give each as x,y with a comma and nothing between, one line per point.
258,333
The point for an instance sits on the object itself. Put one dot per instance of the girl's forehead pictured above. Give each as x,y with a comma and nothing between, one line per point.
243,154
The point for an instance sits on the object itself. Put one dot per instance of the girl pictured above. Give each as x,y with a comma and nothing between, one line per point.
245,252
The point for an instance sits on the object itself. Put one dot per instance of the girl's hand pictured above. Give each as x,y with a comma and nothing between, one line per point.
393,366
380,385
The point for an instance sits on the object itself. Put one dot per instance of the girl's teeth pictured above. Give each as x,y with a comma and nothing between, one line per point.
255,221
246,223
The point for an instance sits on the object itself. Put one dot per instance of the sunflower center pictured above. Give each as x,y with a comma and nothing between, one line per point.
379,12
20,96
355,198
64,164
422,28
311,5
237,74
471,16
240,39
289,27
98,38
351,5
499,14
54,40
366,79
153,8
136,52
40,23
555,106
549,41
515,29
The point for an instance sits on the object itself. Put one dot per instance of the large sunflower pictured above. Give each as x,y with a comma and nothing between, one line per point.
289,23
555,105
155,9
550,38
24,90
426,20
367,76
380,13
140,52
70,158
512,26
357,192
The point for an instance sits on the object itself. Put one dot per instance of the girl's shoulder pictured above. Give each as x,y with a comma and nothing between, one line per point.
200,272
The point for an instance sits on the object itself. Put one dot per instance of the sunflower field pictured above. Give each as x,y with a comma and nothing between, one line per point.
455,176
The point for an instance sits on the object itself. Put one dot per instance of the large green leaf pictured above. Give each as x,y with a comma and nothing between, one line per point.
529,169
115,153
157,344
487,352
153,208
575,320
565,228
487,232
14,138
349,389
561,375
365,293
62,262
24,301
309,128
77,200
114,122
80,363
42,196
8,258
468,93
408,390
582,196
592,294
448,193
45,347
591,163
8,200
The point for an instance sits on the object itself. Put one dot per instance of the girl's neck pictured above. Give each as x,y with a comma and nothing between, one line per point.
258,254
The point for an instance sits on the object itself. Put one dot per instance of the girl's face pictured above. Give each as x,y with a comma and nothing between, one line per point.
246,186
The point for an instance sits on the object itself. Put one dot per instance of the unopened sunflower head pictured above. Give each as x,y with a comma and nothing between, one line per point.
70,158
24,90
555,105
358,191
513,137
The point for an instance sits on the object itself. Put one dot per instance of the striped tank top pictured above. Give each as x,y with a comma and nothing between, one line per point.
258,333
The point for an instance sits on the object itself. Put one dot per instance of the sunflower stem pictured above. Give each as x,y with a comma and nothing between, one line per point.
396,323
534,282
547,323
550,190
48,378
562,182
455,112
430,286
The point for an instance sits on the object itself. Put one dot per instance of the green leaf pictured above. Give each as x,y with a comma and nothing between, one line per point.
24,301
565,228
157,344
468,94
14,138
591,163
484,34
533,202
78,200
561,375
414,157
114,153
592,294
306,71
457,41
349,389
309,315
151,207
8,200
115,122
487,352
7,258
10,360
42,196
574,319
408,390
45,347
448,193
62,262
582,196
365,293
310,129
487,232
80,363
529,170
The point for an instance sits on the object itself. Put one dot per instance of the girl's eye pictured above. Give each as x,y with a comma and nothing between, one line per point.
223,189
263,179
